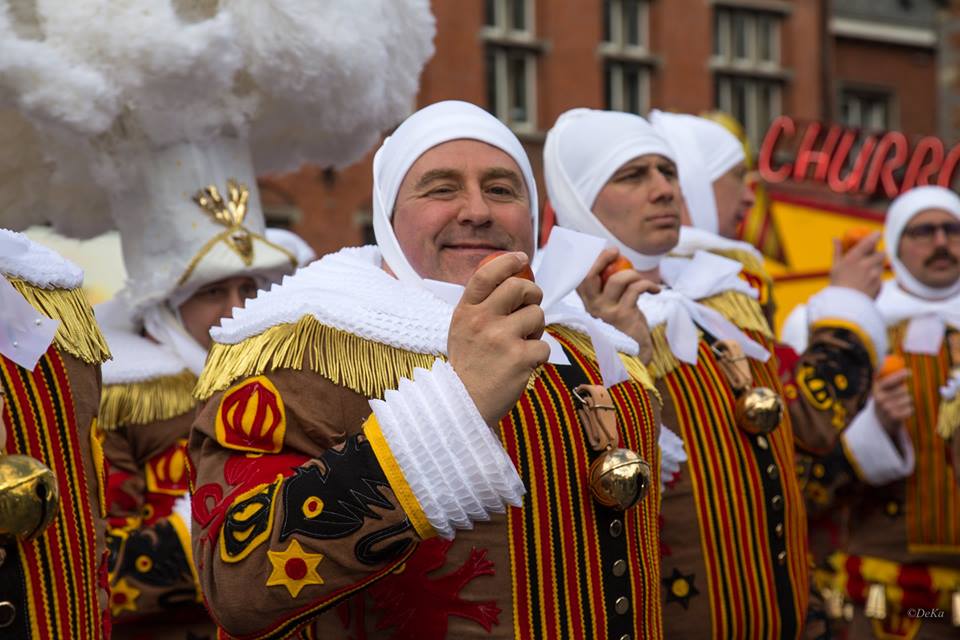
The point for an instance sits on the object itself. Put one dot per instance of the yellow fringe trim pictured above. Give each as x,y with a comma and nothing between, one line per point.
948,418
78,333
749,261
663,361
637,370
147,402
741,310
367,367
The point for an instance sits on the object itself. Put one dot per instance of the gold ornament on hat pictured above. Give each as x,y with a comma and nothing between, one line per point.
29,497
619,478
230,213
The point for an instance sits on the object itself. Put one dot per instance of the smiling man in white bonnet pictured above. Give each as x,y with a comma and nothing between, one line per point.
421,418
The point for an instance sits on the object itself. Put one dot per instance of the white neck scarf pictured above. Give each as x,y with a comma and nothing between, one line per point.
583,150
927,319
901,211
693,239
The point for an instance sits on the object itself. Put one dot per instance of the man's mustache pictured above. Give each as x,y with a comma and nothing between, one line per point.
941,254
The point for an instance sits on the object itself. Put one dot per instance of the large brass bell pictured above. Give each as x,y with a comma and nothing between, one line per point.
619,478
759,410
29,497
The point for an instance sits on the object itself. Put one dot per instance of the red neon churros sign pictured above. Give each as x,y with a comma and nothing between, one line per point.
853,162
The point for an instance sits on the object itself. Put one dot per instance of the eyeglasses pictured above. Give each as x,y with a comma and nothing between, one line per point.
927,232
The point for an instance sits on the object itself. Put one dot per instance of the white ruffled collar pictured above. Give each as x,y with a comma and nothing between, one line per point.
22,258
349,290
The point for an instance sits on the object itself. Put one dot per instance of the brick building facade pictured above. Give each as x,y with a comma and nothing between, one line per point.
876,64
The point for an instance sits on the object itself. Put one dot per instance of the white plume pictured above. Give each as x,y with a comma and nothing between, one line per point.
86,85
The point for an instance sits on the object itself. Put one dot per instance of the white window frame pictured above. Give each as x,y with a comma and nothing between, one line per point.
618,42
754,129
503,20
616,69
503,91
725,55
859,97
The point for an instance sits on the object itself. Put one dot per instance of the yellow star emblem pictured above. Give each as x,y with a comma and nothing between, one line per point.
123,597
294,568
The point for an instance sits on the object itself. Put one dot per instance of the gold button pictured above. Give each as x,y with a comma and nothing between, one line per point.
779,529
781,557
776,502
616,528
626,636
8,613
622,605
772,472
619,568
762,442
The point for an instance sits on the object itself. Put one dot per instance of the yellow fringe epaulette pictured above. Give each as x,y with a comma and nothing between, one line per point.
948,418
78,333
749,260
364,366
637,370
663,361
136,403
741,310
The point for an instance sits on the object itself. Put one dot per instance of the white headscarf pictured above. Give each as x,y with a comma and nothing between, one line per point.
704,151
901,211
583,149
433,125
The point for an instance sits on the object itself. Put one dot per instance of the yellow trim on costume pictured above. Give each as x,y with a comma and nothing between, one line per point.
663,361
741,310
852,459
96,452
263,535
852,327
398,482
948,417
78,333
183,535
135,403
364,366
940,549
634,366
749,261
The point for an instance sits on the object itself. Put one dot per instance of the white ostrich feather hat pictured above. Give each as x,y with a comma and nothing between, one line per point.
155,116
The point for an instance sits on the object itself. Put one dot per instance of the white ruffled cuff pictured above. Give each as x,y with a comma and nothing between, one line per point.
874,455
851,307
672,456
455,466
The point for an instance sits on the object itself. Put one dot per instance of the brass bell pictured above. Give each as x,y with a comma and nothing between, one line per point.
759,410
619,478
29,497
876,607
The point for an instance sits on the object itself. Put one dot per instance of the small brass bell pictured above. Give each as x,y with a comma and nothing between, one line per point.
759,410
876,608
619,478
29,497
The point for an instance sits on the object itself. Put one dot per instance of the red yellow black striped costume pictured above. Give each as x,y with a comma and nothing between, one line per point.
55,585
560,567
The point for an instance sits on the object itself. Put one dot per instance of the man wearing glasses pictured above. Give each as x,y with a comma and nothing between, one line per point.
899,574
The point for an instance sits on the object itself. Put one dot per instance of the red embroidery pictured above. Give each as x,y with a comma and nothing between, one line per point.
417,606
251,417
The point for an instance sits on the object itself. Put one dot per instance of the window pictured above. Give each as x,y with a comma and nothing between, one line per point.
746,63
625,23
511,61
627,62
865,109
627,87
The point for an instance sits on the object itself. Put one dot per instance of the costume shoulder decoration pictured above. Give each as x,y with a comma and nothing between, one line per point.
52,285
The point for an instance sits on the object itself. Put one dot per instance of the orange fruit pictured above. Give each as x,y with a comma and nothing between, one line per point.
853,236
891,364
618,265
526,272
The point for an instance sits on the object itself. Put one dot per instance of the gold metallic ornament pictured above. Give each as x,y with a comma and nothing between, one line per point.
876,607
29,497
230,213
759,410
619,478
